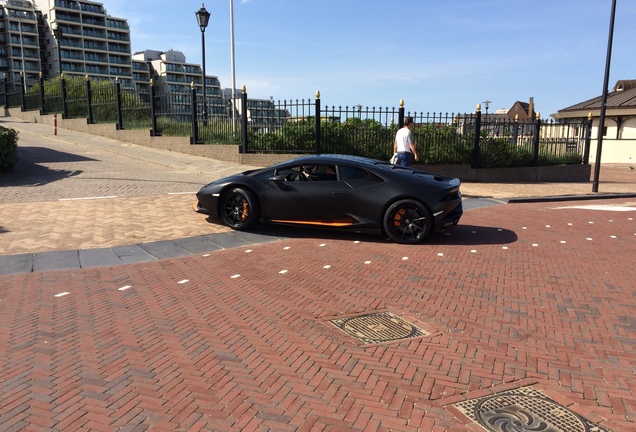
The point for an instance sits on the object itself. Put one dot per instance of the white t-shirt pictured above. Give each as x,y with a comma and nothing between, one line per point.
404,139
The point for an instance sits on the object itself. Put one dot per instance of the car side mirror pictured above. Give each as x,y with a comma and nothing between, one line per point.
279,180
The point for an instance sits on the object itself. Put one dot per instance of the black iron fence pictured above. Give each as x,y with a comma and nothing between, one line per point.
491,141
304,126
505,142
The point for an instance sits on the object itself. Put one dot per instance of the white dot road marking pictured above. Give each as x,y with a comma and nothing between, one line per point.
327,266
323,245
405,258
369,262
235,276
504,247
282,271
473,251
183,281
248,251
440,254
62,294
286,248
124,288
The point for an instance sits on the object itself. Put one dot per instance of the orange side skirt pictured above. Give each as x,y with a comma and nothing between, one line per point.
338,223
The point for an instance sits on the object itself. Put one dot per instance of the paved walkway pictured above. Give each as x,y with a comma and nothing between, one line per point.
522,316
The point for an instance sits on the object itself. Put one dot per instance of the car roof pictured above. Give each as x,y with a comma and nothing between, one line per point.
335,159
372,164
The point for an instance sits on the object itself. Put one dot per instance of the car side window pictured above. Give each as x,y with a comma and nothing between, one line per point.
290,173
310,173
324,173
352,173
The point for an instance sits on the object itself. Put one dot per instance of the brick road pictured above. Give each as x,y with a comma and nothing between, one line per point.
518,295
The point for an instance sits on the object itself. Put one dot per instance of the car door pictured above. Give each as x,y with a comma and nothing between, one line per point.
306,194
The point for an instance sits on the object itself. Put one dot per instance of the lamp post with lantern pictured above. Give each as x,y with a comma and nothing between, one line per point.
203,17
58,33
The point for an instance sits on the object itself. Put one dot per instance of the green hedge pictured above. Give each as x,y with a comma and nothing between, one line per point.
8,148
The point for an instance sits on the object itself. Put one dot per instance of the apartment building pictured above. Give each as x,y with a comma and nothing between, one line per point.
91,42
260,112
79,37
20,52
173,75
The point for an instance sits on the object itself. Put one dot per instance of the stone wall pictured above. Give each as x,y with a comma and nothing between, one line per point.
231,153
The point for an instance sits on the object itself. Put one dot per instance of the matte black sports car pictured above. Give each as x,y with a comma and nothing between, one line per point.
338,192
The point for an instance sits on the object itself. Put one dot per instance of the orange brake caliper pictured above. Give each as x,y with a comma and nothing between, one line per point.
244,213
398,217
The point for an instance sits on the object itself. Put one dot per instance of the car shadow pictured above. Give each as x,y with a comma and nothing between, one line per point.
460,235
471,235
28,170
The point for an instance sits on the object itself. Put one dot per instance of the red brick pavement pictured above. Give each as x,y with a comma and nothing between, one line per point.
523,294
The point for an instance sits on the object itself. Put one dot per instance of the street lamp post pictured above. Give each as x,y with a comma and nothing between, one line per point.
232,60
203,16
58,33
601,124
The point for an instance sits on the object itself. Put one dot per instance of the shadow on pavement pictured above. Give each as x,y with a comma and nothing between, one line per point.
35,155
29,172
298,232
460,235
467,235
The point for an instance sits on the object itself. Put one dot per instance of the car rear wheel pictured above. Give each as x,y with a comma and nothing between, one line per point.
239,209
408,221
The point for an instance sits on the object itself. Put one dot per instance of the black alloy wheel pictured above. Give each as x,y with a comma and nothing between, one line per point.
408,221
239,209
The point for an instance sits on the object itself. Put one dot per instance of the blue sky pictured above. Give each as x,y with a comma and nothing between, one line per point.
436,55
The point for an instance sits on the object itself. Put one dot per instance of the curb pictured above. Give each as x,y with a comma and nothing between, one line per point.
569,198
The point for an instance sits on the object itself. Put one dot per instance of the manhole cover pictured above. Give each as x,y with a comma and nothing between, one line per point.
524,409
378,327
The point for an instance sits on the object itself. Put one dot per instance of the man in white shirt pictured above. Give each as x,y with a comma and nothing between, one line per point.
403,145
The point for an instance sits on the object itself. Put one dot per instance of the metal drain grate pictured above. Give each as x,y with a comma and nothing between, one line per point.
524,409
378,327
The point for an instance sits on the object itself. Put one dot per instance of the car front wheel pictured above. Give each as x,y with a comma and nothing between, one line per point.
239,209
408,221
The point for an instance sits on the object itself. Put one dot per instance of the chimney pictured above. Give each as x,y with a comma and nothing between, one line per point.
531,109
